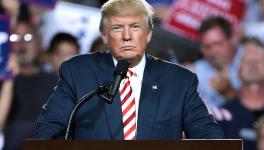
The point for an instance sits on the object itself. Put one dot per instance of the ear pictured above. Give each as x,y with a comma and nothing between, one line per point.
149,36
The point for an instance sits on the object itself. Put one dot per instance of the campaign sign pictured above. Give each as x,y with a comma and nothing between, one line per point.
43,3
4,46
78,20
186,15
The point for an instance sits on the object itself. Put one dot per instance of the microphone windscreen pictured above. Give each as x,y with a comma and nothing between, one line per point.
121,68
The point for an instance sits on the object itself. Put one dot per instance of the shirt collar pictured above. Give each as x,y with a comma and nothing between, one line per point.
138,69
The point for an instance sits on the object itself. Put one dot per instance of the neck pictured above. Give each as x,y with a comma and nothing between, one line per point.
252,96
28,70
133,63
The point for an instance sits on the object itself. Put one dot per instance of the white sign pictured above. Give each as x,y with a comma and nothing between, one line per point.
80,21
3,39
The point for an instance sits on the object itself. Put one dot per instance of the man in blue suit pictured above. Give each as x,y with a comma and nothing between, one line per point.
166,101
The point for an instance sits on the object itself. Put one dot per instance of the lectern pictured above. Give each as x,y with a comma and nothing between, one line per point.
235,144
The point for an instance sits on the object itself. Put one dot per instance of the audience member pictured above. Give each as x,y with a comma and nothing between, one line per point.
62,46
31,87
98,45
249,106
217,72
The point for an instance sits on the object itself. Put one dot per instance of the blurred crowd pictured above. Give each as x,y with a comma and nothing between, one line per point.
229,64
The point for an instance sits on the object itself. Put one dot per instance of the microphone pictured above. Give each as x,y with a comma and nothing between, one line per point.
120,74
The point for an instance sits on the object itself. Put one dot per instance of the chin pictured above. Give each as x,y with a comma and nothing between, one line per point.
132,60
128,56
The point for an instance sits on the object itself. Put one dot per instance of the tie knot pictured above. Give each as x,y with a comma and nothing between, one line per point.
129,73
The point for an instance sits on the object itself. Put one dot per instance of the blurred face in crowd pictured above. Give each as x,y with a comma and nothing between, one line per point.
252,64
63,51
216,48
24,44
127,37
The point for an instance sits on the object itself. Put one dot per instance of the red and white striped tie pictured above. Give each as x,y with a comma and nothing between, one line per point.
128,108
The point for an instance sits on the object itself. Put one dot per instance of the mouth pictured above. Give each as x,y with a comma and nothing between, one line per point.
127,47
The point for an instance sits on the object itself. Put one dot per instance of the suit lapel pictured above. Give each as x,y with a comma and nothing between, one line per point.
149,99
112,111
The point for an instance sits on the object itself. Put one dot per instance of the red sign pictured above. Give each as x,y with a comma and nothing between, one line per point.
186,15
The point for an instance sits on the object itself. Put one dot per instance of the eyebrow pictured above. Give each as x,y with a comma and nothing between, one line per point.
135,23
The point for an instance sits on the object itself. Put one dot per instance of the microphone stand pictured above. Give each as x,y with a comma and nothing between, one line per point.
101,92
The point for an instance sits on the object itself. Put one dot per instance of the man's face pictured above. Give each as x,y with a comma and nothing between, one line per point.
127,37
216,48
64,51
25,47
252,64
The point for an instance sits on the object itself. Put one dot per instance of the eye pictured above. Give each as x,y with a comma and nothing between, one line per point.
135,27
117,28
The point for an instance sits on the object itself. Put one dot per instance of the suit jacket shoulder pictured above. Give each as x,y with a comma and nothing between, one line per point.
88,59
168,69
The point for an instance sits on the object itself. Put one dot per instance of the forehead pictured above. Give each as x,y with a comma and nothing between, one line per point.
125,20
253,51
214,33
22,28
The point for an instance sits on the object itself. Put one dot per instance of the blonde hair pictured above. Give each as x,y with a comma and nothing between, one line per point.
126,8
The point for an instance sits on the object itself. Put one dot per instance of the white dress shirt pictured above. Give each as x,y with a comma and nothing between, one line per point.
136,80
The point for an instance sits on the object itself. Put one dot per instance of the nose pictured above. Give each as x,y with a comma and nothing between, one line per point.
127,35
19,45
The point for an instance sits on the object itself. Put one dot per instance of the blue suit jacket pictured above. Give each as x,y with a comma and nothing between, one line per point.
163,113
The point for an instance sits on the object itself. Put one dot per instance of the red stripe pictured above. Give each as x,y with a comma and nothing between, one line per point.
126,97
124,88
129,107
130,73
133,115
130,130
